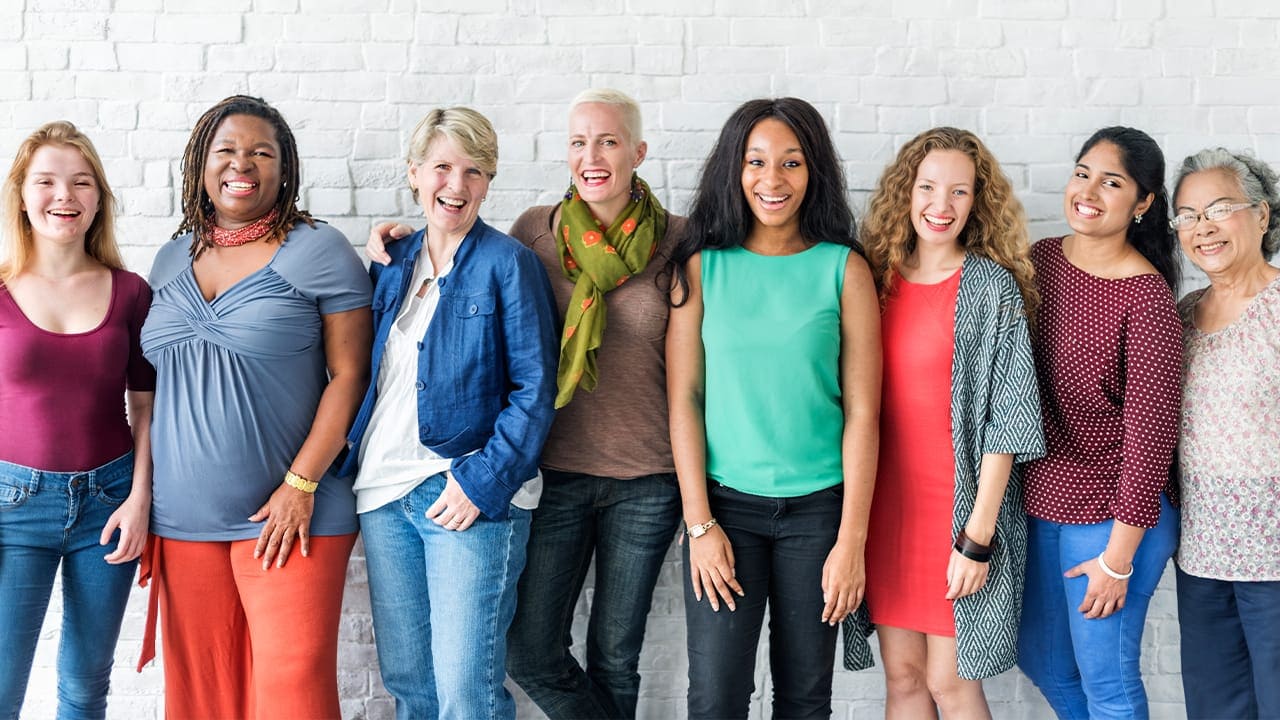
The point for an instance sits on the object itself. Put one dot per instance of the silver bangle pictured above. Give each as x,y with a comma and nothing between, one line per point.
1118,576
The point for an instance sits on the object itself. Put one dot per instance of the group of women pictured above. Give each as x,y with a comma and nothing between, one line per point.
941,434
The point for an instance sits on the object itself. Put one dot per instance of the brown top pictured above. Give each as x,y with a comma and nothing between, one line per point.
620,430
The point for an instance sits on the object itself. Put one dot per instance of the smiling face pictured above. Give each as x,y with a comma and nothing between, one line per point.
1218,246
242,170
775,175
450,186
602,157
60,195
1101,198
942,197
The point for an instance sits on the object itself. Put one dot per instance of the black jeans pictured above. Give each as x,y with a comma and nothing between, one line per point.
627,525
779,548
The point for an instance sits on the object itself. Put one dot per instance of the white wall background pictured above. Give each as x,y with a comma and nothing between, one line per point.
1033,77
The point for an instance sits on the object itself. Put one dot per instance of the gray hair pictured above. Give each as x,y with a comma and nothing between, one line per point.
1257,181
627,107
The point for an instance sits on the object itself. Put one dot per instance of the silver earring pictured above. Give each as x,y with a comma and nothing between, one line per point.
1137,219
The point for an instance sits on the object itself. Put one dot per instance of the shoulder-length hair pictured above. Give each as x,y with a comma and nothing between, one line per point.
996,228
99,241
721,217
197,207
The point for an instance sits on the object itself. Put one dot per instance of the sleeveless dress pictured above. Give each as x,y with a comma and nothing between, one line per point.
909,538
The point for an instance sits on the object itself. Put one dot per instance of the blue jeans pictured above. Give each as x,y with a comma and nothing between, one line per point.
1230,647
779,548
1088,668
442,601
628,526
47,519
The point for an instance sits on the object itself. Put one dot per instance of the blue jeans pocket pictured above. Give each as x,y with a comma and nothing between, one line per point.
11,495
114,481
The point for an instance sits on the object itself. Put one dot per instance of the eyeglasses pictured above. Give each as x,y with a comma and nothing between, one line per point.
1213,213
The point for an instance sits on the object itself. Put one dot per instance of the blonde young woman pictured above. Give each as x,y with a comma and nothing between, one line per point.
75,469
946,552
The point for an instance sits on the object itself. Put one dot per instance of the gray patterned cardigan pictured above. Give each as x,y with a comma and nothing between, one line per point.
995,408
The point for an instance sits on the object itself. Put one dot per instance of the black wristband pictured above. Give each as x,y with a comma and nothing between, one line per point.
971,549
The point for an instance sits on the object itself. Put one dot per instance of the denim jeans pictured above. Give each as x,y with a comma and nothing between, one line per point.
1088,668
47,519
442,602
628,525
1230,647
779,548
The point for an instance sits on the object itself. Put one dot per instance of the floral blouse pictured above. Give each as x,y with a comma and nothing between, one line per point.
1229,450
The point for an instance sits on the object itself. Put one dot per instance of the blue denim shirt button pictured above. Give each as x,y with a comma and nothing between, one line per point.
443,281
419,344
472,309
420,385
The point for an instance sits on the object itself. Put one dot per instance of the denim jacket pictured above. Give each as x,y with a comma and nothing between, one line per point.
486,366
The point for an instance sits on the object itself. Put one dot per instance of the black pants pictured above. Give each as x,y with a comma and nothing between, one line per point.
779,548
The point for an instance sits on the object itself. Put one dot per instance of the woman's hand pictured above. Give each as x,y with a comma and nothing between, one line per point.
1105,594
711,569
376,247
131,519
288,517
453,510
844,580
965,576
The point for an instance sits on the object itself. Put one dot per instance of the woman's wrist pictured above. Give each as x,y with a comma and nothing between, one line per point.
1111,570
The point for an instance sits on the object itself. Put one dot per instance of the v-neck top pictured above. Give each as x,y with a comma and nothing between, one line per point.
62,394
238,381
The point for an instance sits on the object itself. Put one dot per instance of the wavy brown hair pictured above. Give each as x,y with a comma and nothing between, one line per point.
197,208
996,228
99,240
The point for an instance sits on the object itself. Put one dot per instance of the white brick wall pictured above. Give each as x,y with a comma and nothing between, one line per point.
1034,77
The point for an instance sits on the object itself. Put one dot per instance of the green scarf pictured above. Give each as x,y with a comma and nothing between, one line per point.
598,260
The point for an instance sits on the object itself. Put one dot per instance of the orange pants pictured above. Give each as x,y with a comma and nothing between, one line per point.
245,643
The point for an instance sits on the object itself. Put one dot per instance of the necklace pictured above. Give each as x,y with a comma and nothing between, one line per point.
223,237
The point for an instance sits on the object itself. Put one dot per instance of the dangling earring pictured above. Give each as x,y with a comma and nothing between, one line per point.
1137,219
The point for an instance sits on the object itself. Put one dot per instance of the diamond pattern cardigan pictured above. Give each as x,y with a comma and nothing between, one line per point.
995,408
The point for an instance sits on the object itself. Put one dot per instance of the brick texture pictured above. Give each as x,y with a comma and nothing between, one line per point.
354,76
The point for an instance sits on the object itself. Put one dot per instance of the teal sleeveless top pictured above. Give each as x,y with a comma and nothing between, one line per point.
771,337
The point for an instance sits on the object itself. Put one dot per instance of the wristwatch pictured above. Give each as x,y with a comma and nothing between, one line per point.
700,529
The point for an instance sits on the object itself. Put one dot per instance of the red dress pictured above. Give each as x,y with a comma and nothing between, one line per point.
909,539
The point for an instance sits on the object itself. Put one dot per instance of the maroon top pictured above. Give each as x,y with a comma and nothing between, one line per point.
62,395
1108,355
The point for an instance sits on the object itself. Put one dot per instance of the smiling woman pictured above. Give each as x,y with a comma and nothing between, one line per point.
75,470
259,332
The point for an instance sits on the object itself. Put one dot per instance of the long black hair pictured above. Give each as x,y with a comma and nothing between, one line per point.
1144,162
721,217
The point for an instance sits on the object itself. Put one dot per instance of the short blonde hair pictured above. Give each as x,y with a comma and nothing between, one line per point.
99,241
627,107
472,132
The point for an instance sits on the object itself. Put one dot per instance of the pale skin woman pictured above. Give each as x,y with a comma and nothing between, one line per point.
774,178
602,156
1229,251
65,290
242,176
1100,202
920,669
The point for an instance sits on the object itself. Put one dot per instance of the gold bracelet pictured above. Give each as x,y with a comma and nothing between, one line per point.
296,481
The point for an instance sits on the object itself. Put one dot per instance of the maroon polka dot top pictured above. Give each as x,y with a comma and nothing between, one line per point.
1109,357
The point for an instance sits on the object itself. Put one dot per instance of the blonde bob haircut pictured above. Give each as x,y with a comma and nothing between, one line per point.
627,107
471,131
99,241
996,228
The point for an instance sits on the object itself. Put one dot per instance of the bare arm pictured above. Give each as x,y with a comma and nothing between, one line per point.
133,517
965,576
711,565
347,337
844,573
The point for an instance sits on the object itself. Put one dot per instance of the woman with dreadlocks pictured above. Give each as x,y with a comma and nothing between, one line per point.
259,332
